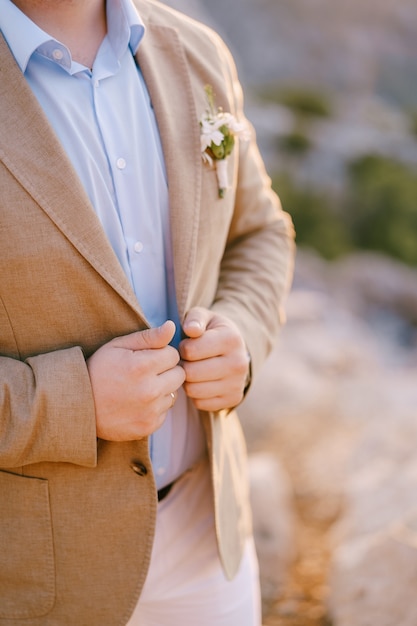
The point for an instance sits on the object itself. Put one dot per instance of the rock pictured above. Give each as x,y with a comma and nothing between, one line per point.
192,8
273,521
357,58
373,282
374,579
346,46
371,388
376,537
321,350
335,402
381,486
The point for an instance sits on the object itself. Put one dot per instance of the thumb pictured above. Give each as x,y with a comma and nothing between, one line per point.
196,321
149,339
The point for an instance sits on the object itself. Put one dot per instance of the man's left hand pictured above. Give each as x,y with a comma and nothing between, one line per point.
215,360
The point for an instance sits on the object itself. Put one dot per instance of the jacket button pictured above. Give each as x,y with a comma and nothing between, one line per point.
139,468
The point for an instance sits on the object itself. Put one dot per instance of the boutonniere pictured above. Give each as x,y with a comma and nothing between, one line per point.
218,132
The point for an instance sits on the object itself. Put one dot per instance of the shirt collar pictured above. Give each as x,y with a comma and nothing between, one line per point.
24,37
21,34
129,17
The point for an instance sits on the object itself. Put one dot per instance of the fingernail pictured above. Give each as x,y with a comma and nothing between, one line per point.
194,324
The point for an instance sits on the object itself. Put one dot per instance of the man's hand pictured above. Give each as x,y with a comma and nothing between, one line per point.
215,360
132,378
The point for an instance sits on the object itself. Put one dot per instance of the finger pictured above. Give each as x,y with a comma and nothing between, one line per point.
214,403
155,361
212,344
149,339
214,396
204,389
196,321
211,369
171,380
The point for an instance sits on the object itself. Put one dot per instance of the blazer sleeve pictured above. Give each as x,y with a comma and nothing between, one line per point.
47,410
257,265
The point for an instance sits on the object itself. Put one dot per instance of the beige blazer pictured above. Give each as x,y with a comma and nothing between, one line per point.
76,521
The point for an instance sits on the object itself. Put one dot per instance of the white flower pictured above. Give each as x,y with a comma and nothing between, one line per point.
209,134
218,132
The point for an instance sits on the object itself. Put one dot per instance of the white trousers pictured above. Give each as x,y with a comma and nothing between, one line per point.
185,584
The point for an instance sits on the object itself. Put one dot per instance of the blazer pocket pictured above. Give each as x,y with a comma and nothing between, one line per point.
27,571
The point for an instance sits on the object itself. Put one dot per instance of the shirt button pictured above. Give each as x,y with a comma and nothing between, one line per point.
139,468
138,247
121,163
57,54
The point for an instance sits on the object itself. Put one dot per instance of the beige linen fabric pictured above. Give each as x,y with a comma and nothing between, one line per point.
77,522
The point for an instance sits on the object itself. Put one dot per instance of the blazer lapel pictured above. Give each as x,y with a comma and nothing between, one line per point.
38,161
162,61
31,151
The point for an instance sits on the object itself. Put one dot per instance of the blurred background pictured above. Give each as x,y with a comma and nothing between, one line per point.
331,87
331,422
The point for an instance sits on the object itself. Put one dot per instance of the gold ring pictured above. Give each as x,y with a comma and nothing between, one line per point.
172,394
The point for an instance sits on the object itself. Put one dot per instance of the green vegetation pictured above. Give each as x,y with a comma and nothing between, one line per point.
296,143
413,116
378,211
302,101
305,104
317,221
381,211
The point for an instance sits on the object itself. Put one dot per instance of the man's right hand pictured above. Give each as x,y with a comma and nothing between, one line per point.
132,379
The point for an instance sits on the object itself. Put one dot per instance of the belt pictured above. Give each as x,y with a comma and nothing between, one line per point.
162,493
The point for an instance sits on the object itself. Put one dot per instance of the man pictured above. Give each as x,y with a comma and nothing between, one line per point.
131,296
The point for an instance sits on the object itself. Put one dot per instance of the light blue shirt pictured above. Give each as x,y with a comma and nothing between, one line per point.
105,121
